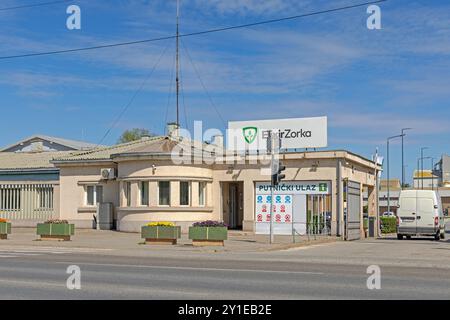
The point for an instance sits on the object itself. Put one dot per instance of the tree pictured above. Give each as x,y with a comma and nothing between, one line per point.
133,135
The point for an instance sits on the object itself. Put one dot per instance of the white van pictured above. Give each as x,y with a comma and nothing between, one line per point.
420,213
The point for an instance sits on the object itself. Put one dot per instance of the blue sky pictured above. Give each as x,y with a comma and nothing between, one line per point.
370,83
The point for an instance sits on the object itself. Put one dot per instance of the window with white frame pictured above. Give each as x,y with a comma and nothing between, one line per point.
144,193
164,193
127,193
94,195
185,193
202,193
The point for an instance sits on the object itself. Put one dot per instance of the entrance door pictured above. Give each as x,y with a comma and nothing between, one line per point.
234,206
353,212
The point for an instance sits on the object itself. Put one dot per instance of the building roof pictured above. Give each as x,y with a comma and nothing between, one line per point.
419,174
394,184
12,161
72,144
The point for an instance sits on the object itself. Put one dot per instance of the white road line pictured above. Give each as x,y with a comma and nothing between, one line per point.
189,268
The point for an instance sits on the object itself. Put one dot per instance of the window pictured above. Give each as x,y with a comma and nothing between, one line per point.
164,193
185,193
127,193
202,193
90,195
94,195
10,198
45,197
144,193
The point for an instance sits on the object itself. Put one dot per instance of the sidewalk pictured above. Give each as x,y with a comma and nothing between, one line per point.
113,241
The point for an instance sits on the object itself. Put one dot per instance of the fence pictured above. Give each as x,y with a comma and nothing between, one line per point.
27,201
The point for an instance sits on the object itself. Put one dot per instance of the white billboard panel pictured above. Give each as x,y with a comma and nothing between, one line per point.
295,133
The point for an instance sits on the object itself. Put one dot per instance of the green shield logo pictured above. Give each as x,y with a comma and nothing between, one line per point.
250,134
323,187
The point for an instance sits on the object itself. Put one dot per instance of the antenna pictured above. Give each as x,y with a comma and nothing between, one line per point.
178,63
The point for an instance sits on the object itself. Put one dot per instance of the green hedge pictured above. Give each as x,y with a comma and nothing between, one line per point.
388,224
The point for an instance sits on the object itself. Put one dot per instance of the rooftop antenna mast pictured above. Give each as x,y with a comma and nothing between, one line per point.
178,63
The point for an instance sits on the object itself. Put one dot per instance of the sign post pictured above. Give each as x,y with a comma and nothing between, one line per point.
273,145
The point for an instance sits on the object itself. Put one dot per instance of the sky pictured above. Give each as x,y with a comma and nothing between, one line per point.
370,83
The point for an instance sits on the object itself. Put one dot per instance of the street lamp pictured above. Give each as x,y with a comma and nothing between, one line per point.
420,172
421,163
388,187
403,155
432,172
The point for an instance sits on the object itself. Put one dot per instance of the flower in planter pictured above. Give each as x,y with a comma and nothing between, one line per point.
3,220
210,224
56,221
160,224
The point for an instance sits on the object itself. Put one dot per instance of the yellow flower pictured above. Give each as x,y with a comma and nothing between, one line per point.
160,224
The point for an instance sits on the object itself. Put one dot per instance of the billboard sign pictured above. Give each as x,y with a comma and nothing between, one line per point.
295,133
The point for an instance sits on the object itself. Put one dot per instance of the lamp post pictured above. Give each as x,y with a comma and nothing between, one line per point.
419,160
388,187
432,172
421,164
403,155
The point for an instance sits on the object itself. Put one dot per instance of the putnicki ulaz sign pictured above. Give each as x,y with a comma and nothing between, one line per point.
295,133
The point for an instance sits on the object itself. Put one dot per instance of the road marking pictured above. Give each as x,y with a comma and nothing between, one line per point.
190,268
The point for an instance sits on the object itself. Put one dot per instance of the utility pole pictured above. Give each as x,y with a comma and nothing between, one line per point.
421,165
388,186
403,156
178,63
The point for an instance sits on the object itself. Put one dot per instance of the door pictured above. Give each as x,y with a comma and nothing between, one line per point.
234,206
353,212
407,213
425,216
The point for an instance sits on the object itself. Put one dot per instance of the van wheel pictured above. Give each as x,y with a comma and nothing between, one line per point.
400,237
408,237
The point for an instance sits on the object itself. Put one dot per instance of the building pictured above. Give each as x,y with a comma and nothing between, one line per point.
42,143
442,170
29,182
143,183
426,179
394,194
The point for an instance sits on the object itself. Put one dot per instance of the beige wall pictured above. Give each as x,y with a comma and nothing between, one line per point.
74,178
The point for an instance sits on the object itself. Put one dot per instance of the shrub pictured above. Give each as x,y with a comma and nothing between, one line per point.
160,224
388,224
56,221
210,224
3,220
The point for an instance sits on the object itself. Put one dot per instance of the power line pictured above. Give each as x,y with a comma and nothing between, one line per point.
128,105
203,84
190,34
35,5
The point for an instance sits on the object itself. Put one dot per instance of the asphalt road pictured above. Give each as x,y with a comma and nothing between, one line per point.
291,274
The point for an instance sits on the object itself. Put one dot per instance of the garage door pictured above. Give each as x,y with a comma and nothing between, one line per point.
353,216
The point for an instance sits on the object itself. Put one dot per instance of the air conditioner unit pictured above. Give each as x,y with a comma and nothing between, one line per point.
108,173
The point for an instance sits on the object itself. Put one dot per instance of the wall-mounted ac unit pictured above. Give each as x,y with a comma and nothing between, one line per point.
108,173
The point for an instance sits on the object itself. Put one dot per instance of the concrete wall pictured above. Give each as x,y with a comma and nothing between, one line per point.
131,218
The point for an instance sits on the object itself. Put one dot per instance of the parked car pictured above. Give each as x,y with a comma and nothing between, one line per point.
420,214
388,214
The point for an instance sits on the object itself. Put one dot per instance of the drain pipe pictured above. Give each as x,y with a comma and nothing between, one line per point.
339,195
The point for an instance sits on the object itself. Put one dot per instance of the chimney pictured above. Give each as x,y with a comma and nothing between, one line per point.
172,129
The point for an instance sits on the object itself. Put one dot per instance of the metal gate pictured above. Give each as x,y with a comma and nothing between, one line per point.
353,213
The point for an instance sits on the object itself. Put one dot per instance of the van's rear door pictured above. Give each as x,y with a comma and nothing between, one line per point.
425,215
407,213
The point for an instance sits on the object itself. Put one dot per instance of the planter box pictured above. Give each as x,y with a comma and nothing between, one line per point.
5,229
208,236
161,235
50,231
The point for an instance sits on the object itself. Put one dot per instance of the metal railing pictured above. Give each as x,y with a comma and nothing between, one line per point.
27,201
